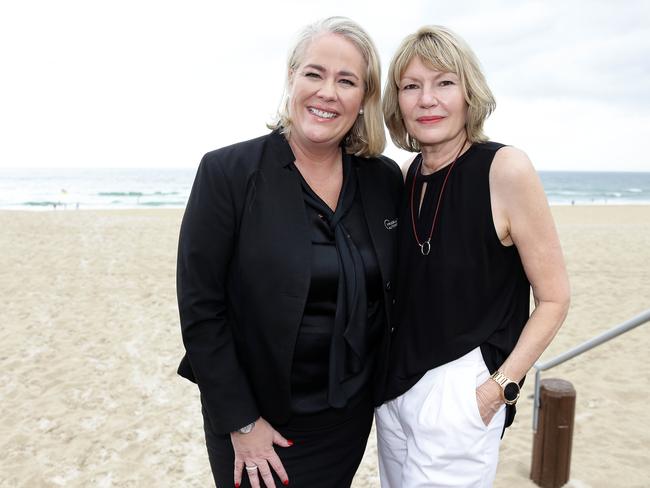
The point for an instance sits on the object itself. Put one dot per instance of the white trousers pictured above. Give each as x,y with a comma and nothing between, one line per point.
433,435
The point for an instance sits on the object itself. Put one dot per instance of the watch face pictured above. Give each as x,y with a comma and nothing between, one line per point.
511,391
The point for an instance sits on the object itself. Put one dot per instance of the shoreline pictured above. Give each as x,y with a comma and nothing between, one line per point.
44,209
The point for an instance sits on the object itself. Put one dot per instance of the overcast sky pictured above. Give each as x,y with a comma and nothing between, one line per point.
156,83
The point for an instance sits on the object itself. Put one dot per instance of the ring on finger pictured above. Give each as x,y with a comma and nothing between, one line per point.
252,468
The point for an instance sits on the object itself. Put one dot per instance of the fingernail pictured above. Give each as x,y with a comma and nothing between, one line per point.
285,482
290,442
236,485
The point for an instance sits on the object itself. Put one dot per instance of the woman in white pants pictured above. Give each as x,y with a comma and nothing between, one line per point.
475,235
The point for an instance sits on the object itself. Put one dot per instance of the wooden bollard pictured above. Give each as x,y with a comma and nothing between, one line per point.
552,441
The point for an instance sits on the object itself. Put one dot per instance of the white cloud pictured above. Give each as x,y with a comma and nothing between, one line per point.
560,134
144,83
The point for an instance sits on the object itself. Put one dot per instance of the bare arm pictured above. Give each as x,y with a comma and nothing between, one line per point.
522,217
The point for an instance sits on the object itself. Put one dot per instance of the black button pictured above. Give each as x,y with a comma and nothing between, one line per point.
388,286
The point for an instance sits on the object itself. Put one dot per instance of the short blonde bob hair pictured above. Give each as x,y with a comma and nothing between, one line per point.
366,137
440,49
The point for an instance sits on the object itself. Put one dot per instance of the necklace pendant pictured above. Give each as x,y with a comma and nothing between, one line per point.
425,247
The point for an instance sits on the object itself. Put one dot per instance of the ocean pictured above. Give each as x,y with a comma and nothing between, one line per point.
69,189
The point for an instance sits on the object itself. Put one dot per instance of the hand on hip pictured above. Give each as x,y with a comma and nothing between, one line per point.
254,451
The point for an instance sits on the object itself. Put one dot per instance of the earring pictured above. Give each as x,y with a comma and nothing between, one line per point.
360,111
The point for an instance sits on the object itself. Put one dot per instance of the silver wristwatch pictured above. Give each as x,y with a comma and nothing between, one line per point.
246,429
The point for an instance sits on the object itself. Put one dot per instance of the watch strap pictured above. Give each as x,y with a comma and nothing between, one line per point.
246,429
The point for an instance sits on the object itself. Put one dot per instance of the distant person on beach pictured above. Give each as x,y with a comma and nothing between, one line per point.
285,271
475,234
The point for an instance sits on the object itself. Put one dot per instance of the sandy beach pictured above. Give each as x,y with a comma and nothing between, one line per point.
90,340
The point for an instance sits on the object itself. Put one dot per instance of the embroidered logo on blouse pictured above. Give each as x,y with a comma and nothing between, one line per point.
390,224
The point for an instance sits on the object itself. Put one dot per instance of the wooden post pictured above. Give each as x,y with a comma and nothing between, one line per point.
552,441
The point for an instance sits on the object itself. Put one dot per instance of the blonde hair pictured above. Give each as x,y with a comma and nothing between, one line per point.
366,137
440,49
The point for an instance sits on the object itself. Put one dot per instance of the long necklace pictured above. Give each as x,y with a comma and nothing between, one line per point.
425,247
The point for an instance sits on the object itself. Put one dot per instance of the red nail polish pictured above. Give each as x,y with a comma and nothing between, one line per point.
236,485
285,482
290,442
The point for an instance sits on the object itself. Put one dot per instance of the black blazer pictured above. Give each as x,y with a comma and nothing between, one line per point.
243,274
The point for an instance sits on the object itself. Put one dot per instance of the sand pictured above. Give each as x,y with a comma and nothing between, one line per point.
90,342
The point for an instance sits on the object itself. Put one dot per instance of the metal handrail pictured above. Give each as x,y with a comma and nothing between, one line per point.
585,346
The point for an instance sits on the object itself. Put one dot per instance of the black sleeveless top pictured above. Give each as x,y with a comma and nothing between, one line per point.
469,291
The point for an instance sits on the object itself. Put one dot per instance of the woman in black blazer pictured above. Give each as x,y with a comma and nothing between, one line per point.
285,263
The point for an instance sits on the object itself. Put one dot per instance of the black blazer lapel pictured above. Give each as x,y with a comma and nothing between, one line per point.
380,211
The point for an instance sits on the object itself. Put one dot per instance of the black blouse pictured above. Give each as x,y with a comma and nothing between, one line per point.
333,364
